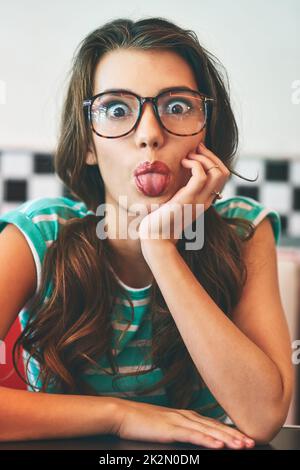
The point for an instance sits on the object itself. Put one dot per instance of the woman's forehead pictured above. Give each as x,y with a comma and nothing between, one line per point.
145,72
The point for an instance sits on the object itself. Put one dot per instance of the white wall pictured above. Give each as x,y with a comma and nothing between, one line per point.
256,40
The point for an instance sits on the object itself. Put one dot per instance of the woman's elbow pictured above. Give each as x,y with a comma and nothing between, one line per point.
265,434
266,430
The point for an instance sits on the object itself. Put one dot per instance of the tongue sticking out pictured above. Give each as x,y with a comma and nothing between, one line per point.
152,184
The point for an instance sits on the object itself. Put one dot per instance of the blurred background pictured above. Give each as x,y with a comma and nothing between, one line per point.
257,42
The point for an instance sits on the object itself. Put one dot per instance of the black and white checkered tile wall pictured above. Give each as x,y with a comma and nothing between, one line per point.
25,175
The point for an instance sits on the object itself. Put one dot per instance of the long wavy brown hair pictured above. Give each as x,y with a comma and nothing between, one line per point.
70,329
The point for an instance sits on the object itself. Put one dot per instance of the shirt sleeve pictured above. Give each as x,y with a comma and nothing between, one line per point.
252,210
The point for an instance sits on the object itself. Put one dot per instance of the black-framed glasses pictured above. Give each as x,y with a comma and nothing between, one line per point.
115,113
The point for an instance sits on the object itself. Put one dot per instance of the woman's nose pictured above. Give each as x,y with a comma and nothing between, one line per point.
149,130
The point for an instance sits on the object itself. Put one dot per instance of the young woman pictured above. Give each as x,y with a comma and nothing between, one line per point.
141,336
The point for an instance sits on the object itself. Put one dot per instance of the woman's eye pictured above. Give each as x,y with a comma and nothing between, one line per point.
178,107
116,110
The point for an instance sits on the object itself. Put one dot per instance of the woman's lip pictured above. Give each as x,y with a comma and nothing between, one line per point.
154,167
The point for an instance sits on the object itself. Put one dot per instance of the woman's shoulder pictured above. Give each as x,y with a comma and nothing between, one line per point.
40,219
250,209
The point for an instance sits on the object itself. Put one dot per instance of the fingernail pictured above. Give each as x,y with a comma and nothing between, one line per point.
249,441
237,442
218,443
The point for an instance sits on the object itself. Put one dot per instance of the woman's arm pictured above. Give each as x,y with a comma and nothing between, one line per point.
32,415
28,415
246,363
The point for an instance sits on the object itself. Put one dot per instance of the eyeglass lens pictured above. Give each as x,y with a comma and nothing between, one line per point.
115,114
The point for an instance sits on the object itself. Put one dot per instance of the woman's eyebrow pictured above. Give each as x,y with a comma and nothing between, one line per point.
183,87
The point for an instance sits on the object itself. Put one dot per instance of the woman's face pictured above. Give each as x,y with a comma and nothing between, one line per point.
145,73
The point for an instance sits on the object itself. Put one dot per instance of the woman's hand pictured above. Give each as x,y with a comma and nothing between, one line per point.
144,422
161,223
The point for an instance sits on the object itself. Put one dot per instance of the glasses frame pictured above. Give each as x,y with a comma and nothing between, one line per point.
87,104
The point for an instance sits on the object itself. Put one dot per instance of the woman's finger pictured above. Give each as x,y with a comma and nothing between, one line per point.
222,434
208,153
214,422
198,177
208,164
215,177
234,433
182,434
219,434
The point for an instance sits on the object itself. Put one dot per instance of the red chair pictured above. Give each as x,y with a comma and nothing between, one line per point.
8,376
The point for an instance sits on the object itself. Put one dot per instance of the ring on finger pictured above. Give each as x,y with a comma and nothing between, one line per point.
217,195
215,166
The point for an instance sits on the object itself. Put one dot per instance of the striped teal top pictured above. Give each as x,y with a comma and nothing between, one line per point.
40,221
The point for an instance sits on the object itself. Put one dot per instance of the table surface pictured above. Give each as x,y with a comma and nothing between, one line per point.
288,438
